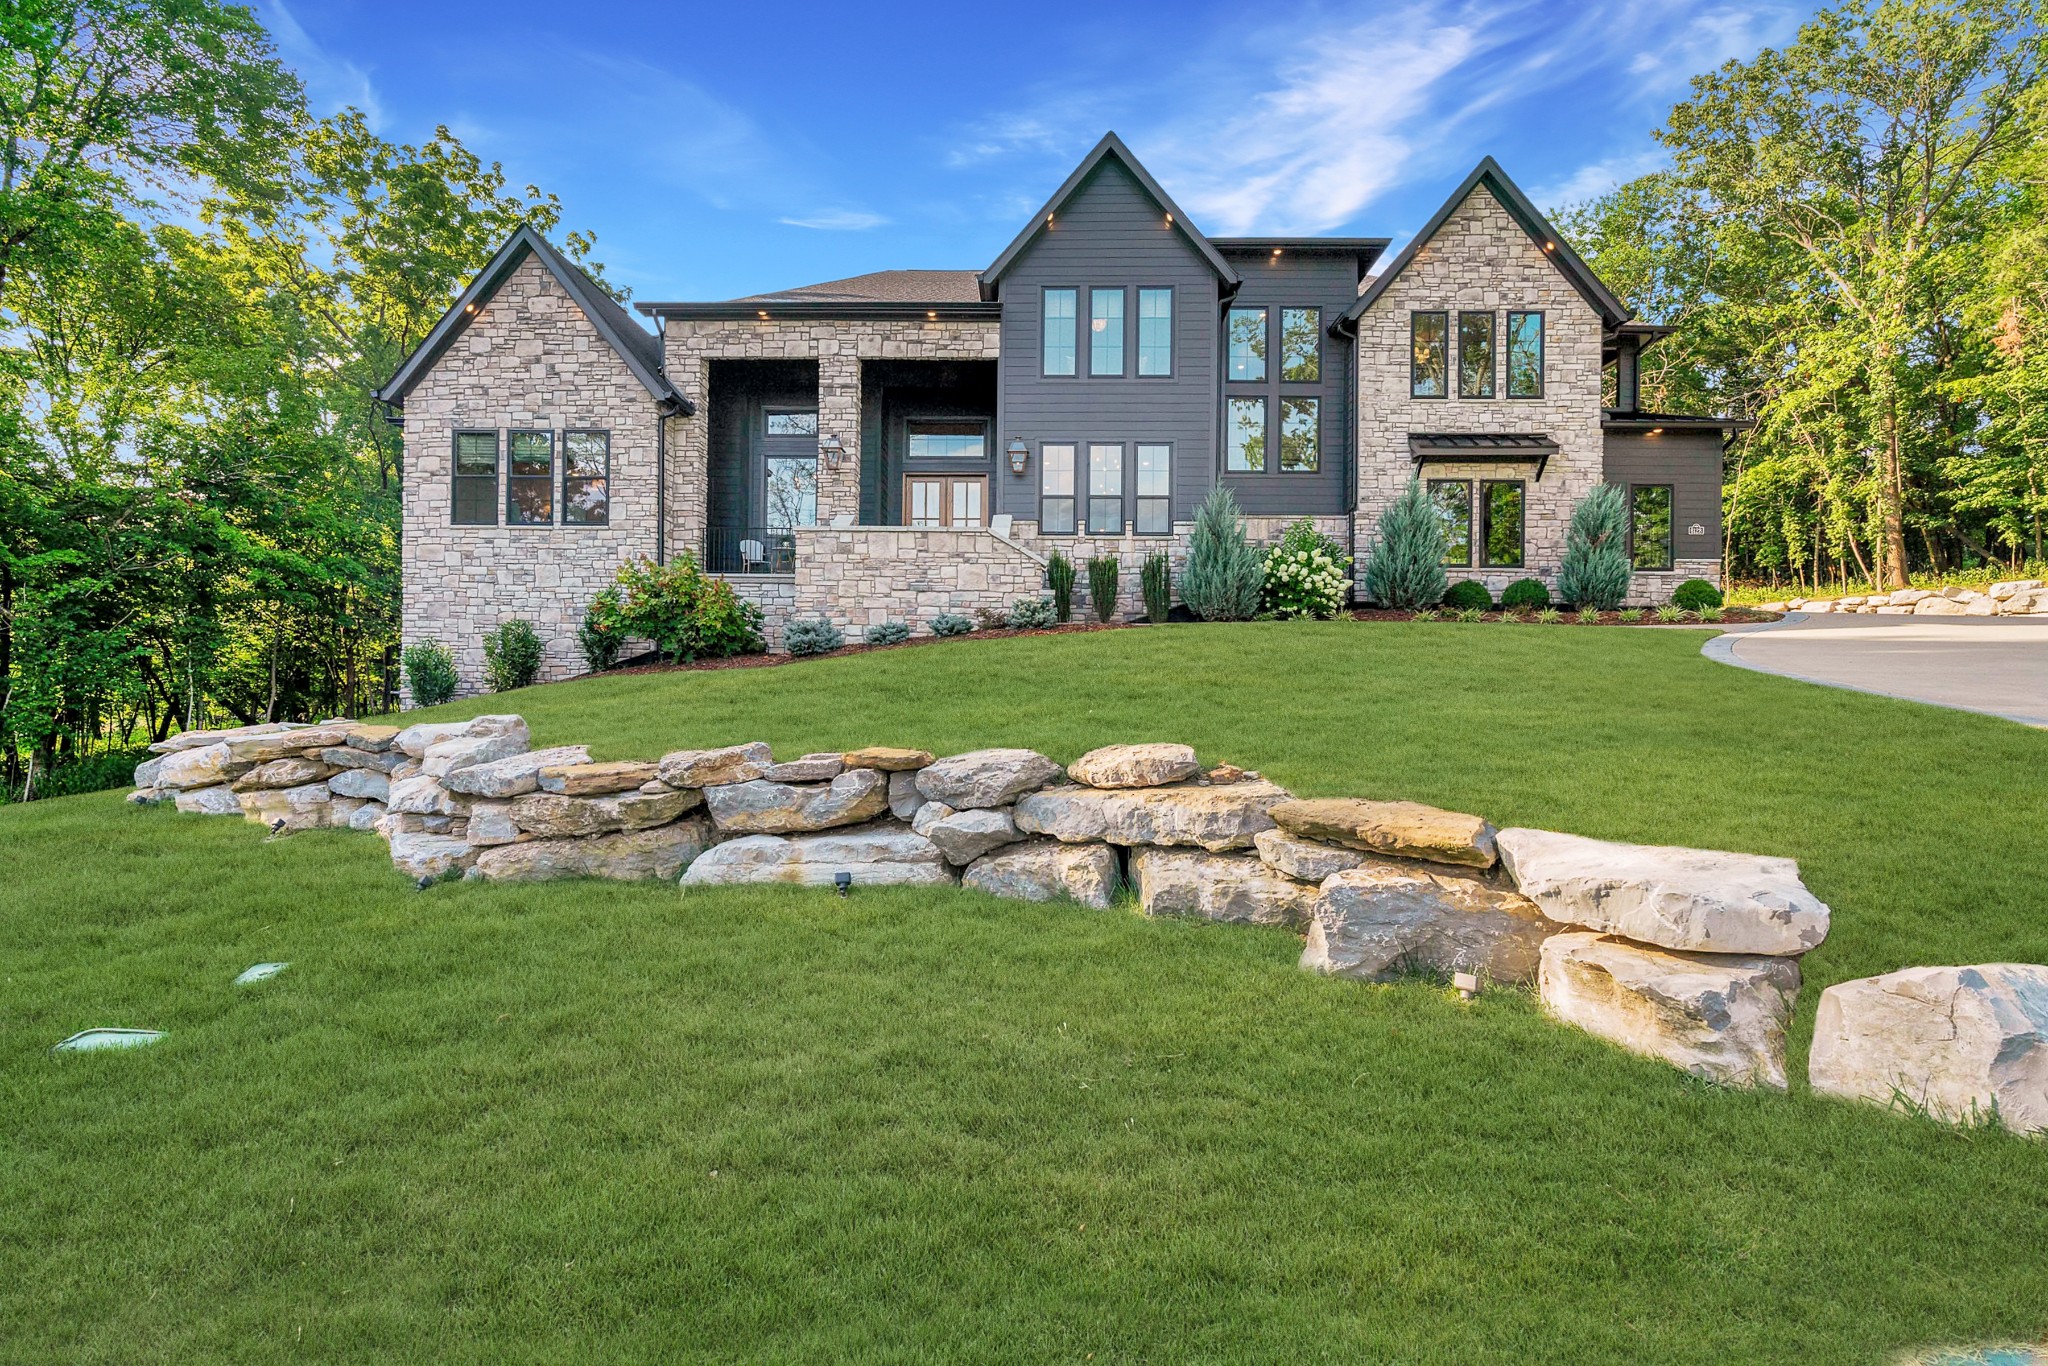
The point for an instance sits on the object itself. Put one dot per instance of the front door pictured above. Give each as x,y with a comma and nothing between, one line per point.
945,500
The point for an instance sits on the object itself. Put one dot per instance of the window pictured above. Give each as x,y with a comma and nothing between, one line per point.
1475,355
947,440
1245,434
1106,490
1649,525
1247,330
1155,490
1155,331
792,492
586,478
1059,331
1105,332
943,500
1301,345
1452,499
530,479
476,479
1301,442
1056,490
803,423
1500,532
1525,355
1427,340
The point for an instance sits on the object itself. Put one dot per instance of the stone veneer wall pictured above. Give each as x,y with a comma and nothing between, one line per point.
859,577
529,359
1647,588
1481,259
775,595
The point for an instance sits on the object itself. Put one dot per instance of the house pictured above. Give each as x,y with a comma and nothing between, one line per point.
908,442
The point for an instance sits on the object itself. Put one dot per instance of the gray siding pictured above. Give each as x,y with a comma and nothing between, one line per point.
1297,280
1110,233
1688,461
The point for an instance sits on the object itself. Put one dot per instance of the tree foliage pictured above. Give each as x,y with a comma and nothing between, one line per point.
1595,570
1405,567
1225,573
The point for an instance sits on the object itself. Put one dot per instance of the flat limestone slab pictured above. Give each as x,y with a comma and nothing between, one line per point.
209,801
760,807
1235,888
558,817
1306,860
515,775
985,777
595,780
1404,829
1150,765
964,836
1384,918
1718,1016
1957,1043
1216,818
1692,900
1046,870
716,767
888,758
634,855
872,856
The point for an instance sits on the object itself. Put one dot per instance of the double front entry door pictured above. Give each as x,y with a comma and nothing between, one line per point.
945,500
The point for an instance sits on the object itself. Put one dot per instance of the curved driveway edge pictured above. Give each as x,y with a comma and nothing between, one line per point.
1995,666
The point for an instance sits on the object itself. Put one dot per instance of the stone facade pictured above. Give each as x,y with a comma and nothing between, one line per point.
1647,588
859,577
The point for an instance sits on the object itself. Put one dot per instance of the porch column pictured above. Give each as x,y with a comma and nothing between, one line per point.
839,417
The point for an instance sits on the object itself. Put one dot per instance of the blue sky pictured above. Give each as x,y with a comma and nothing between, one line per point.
729,148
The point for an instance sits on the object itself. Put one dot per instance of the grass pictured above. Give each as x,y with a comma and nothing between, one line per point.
1979,577
597,1122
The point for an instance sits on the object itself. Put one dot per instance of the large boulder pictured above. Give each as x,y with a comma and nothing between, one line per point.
760,807
300,808
365,783
1047,870
632,855
209,801
146,771
985,777
490,822
376,760
422,795
1404,829
1693,900
555,817
374,739
1209,817
887,758
200,766
199,739
1151,765
366,816
596,780
1238,888
415,739
1384,918
812,768
1718,1016
716,767
291,772
904,799
261,749
1305,860
875,855
514,776
964,836
477,747
433,856
1958,1043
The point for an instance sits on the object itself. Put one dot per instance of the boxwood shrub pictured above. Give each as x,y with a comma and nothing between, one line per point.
1466,594
1525,593
1694,594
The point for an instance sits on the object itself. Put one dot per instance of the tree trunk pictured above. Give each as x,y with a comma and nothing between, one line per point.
1894,496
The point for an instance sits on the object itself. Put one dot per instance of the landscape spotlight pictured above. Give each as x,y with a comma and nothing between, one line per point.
842,881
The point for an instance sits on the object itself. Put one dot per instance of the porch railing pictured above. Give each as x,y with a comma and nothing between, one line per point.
749,550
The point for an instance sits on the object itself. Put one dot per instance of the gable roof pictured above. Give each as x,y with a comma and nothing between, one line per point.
1111,145
639,349
884,286
1613,312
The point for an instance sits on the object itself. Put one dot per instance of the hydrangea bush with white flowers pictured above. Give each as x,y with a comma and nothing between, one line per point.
1306,574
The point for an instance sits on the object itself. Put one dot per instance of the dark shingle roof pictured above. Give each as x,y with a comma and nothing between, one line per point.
884,286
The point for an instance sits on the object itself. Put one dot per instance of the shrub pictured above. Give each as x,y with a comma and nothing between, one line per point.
990,619
1589,616
887,633
1103,571
1525,593
685,612
1467,593
1629,616
512,655
1471,614
1595,569
602,636
1155,577
1694,594
1059,576
812,637
951,624
1224,572
1031,614
1305,574
1406,565
429,672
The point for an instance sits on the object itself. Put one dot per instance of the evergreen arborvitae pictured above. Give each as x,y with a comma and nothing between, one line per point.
1225,572
1595,570
1406,566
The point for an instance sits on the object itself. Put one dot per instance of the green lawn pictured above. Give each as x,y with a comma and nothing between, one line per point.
597,1122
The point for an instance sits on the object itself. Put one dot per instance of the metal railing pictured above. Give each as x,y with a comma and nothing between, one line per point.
749,550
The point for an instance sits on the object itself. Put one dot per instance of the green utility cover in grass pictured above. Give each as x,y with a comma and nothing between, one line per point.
93,1040
262,972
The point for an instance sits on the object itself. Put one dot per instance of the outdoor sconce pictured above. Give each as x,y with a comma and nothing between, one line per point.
1019,455
832,449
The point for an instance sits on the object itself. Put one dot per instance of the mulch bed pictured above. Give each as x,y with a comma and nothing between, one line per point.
1730,616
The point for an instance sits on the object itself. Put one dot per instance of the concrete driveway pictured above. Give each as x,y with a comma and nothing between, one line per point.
1995,665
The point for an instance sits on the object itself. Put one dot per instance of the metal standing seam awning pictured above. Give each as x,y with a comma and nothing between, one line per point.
1482,448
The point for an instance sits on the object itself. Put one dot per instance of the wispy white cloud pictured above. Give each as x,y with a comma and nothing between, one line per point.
1597,178
332,83
837,220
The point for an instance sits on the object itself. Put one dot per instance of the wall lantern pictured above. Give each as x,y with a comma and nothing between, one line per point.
1019,455
832,449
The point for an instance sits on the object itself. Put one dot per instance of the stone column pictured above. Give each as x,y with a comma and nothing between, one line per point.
839,416
689,458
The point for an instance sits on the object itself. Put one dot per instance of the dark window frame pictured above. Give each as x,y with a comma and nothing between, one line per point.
1279,448
1123,369
1138,500
1415,317
1316,331
1265,313
1430,487
1071,498
1123,487
1483,540
771,411
1172,332
1670,530
605,479
1492,353
1045,292
455,475
1542,352
923,462
1266,453
512,481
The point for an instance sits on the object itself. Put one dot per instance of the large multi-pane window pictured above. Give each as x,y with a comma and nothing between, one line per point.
1246,328
1475,355
1105,331
1525,355
1301,443
586,478
1301,345
530,479
1059,331
1428,345
1056,489
1244,435
1500,518
1155,490
1155,332
1106,489
476,479
1452,499
1649,525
